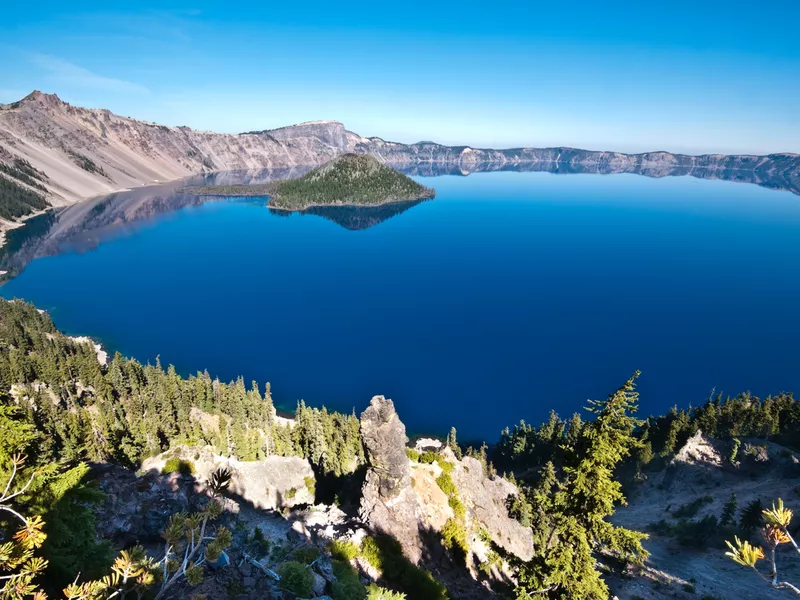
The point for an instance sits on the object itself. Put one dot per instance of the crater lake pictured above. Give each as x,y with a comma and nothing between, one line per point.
509,294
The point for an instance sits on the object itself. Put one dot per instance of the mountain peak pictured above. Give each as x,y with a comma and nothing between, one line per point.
40,98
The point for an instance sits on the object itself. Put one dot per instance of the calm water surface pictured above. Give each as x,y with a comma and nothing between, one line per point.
508,295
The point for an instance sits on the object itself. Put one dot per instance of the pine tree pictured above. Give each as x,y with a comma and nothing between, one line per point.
452,443
574,520
728,511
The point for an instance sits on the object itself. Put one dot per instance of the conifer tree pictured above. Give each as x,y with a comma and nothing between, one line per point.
573,512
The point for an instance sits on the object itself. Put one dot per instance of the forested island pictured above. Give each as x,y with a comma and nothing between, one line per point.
350,180
100,461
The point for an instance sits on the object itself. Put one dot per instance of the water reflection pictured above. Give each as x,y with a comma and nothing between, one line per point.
82,227
773,178
355,218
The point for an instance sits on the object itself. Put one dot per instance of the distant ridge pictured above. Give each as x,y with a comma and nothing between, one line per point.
82,152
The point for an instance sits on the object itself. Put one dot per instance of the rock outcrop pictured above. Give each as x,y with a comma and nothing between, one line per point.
275,482
403,500
485,500
388,503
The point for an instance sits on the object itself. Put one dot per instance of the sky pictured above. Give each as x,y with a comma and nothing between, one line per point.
685,76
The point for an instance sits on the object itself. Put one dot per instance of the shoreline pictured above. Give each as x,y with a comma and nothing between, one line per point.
6,225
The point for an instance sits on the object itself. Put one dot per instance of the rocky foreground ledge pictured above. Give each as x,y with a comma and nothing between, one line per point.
402,498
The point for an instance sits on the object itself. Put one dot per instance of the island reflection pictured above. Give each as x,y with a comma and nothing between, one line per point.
84,226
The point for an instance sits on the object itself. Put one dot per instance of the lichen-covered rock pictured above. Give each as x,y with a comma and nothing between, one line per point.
485,501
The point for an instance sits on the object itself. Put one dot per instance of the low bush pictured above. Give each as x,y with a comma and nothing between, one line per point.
445,482
177,465
296,578
687,511
428,457
306,554
454,538
385,554
343,550
378,593
347,585
412,454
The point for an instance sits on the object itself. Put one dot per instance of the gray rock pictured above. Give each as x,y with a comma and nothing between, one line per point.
485,501
319,584
388,502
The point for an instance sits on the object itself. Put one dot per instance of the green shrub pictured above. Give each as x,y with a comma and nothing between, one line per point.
343,550
311,485
347,585
446,467
445,483
459,510
306,554
279,553
687,511
385,554
454,538
661,528
427,457
378,593
258,538
291,494
696,534
735,450
296,578
176,465
412,454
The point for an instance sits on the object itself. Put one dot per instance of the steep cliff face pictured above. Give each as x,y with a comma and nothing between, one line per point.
404,499
89,152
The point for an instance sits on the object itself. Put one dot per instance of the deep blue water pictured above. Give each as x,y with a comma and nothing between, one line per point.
508,295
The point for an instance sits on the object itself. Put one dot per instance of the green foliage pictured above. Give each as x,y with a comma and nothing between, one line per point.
454,538
412,455
752,517
177,465
452,443
459,510
306,554
378,593
734,450
687,511
520,508
131,411
258,538
696,533
428,457
344,550
15,199
311,485
728,511
445,482
349,179
573,507
693,533
385,554
347,585
296,578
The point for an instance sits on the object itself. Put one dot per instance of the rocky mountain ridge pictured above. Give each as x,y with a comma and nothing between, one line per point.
89,152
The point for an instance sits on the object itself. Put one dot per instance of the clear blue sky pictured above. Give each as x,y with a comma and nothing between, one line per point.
691,76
